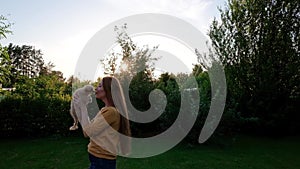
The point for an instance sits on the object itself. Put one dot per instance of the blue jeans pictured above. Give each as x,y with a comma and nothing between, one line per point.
101,163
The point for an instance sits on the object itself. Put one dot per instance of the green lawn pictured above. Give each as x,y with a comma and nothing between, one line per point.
70,153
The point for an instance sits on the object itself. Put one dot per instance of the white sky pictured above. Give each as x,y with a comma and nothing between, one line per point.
61,28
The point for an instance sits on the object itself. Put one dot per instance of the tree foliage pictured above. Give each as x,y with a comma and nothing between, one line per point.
5,62
258,42
5,26
131,59
26,60
5,66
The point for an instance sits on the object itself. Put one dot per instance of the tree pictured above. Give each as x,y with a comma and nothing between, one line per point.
258,42
26,61
5,66
4,27
131,59
5,62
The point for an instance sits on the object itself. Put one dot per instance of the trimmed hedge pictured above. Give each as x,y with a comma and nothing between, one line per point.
34,117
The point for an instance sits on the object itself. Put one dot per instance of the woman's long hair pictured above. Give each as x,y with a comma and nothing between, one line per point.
115,96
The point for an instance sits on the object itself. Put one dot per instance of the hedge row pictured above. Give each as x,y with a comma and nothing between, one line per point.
27,117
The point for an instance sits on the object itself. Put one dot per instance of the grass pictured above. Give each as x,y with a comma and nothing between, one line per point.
70,153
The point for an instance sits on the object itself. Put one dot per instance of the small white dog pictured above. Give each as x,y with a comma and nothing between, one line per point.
85,97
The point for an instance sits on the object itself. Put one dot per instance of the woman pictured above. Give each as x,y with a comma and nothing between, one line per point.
104,130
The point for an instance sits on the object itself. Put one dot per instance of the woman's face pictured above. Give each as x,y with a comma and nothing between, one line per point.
100,93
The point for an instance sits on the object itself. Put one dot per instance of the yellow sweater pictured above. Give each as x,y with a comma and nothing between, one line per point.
103,133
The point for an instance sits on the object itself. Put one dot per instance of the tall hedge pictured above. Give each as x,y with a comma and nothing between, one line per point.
23,117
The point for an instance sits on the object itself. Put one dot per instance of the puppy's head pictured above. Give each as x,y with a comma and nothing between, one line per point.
89,89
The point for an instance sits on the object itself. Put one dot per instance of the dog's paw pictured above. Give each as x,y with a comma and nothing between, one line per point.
73,128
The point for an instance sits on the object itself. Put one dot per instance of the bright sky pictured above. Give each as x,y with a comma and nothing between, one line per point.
61,28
